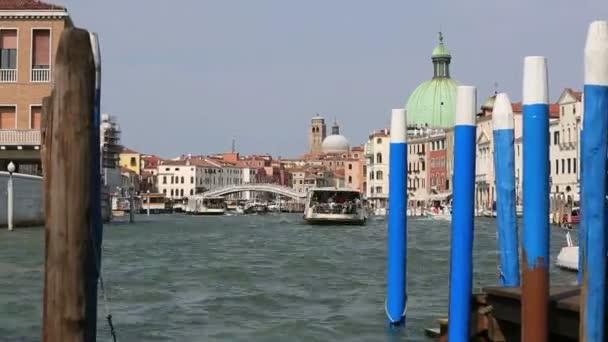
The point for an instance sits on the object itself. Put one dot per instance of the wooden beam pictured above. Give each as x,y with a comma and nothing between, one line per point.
70,278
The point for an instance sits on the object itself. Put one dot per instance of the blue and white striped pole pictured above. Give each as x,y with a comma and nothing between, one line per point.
593,190
397,221
461,261
504,164
535,258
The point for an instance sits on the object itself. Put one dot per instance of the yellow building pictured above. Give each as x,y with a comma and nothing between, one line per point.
131,160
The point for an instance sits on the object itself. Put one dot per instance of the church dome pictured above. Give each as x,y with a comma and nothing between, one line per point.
433,103
335,143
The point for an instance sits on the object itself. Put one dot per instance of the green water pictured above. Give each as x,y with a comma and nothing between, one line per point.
250,278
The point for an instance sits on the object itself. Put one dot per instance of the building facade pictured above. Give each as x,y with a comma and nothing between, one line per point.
377,153
29,36
565,136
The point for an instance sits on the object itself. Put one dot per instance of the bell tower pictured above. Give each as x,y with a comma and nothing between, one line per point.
317,133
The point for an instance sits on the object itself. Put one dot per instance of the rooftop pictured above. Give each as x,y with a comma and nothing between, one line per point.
28,5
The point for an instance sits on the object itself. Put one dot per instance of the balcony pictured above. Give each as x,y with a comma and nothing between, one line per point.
41,75
20,137
8,75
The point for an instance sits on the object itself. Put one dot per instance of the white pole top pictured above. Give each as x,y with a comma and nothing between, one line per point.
398,126
596,54
502,115
466,105
536,81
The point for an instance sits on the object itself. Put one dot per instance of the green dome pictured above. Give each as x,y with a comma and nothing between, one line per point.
433,103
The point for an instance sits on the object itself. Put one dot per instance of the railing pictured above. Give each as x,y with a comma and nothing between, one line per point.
8,75
41,75
15,137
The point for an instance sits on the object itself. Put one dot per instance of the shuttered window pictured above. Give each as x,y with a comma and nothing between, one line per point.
35,117
41,58
7,117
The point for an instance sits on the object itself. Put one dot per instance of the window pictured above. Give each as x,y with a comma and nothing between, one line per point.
350,166
569,169
171,192
8,54
557,167
165,192
133,161
164,179
371,175
371,190
35,115
422,167
423,183
563,166
556,138
182,179
379,189
191,180
191,192
182,193
379,175
379,158
569,137
7,117
378,141
574,165
350,179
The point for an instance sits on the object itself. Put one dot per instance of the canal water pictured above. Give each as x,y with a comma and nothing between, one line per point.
251,278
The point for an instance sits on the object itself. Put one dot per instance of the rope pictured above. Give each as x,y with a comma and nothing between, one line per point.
96,257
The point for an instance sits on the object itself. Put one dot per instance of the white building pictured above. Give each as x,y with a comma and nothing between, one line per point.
377,152
485,176
565,134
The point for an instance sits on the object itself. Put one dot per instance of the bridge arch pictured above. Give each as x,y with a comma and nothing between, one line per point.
269,188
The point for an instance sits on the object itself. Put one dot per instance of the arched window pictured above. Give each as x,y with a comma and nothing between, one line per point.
182,180
379,141
191,192
371,175
379,175
182,193
379,158
171,192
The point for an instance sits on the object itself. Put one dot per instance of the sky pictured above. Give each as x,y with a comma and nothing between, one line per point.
188,76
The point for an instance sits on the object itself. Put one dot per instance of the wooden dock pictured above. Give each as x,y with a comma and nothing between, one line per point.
496,315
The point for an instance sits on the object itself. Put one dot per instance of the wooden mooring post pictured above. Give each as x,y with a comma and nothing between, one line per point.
68,156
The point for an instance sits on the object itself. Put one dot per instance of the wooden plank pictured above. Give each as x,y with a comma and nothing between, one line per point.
70,290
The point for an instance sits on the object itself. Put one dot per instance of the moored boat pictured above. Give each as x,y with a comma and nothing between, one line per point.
339,206
200,205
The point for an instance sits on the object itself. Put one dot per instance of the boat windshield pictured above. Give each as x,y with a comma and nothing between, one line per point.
335,202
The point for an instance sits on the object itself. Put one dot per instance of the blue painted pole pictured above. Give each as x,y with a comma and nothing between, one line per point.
593,189
535,258
96,224
461,261
397,221
504,164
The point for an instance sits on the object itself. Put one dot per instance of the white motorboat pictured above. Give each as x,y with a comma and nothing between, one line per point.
200,205
334,206
443,213
568,256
